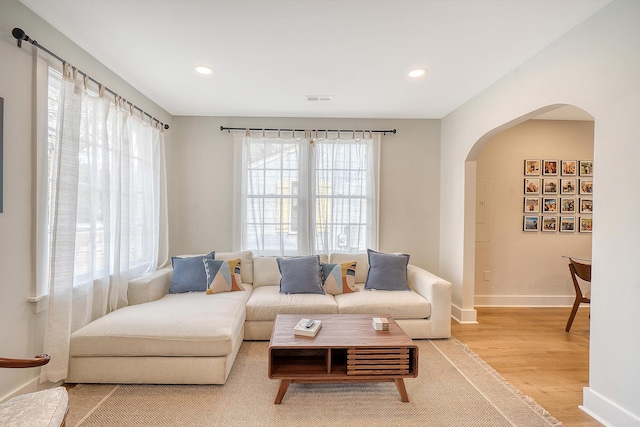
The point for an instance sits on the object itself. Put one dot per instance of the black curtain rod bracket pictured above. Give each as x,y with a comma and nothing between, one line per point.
384,132
21,36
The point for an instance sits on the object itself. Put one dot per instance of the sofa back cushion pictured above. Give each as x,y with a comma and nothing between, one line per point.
246,266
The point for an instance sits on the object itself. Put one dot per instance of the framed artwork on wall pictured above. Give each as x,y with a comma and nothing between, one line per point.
549,167
549,223
550,205
531,223
532,186
550,186
586,224
569,167
1,151
586,205
568,205
550,198
568,186
567,224
531,205
532,167
586,186
586,167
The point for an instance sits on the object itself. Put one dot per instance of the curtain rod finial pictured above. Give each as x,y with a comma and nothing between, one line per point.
19,35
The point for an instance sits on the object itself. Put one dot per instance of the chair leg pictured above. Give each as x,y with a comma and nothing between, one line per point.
574,310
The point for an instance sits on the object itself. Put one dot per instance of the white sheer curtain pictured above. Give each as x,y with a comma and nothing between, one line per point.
274,198
308,195
105,210
345,192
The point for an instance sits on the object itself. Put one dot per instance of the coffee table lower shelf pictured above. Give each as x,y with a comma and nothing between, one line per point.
342,365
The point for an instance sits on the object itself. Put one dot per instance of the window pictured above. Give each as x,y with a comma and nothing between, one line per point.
117,173
302,196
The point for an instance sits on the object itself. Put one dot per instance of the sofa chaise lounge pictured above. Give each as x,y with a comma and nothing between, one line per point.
193,338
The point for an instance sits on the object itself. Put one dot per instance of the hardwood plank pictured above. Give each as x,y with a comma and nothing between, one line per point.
529,347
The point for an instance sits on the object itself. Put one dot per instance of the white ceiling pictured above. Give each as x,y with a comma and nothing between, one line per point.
268,54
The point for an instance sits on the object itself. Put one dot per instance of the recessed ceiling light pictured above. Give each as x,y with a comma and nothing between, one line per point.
418,72
204,70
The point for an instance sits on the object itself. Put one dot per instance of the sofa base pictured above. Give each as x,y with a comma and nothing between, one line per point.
152,369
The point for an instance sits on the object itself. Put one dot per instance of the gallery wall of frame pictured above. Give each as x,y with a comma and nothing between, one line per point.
558,196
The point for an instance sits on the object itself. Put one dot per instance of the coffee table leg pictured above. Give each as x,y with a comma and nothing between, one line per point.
284,385
401,389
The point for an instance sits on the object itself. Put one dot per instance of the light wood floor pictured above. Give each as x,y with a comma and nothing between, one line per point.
529,347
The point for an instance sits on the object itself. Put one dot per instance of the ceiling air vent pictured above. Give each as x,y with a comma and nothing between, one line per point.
319,98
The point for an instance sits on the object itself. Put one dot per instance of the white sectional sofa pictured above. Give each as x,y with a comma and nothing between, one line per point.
193,338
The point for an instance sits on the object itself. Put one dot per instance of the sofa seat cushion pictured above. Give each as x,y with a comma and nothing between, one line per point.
189,324
266,302
397,304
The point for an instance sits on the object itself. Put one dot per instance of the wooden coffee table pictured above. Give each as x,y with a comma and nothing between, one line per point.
346,349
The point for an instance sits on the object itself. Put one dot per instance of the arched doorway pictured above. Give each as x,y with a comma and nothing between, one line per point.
505,265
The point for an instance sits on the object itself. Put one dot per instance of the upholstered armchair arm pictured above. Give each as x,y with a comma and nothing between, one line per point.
438,292
39,360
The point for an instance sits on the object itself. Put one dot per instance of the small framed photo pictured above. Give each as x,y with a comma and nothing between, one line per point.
532,185
531,223
586,224
549,223
550,205
568,186
567,224
586,186
568,205
586,205
532,167
549,167
531,205
586,167
569,167
550,186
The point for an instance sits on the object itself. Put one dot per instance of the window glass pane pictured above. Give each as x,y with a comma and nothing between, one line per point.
340,179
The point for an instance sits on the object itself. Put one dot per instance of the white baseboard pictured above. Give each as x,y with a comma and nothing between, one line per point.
464,316
606,411
524,300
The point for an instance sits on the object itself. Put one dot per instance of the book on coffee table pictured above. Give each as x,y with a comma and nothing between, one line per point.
307,327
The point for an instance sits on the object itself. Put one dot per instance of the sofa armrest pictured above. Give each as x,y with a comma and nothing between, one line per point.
150,287
438,292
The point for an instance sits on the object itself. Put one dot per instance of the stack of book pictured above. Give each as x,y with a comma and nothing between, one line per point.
380,324
307,327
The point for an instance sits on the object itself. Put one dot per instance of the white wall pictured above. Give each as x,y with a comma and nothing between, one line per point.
525,268
595,67
21,329
200,169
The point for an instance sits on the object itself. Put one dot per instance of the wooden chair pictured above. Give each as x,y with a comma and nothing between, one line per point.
582,271
41,408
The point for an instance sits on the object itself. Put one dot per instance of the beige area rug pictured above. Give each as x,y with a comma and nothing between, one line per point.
454,387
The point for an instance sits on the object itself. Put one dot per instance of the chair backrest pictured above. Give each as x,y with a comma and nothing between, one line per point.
581,270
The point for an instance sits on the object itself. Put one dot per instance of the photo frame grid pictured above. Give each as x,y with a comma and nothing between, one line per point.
545,207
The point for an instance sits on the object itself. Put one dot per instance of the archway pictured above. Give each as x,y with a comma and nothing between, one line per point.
504,265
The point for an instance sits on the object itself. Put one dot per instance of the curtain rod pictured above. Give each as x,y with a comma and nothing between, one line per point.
20,35
384,132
